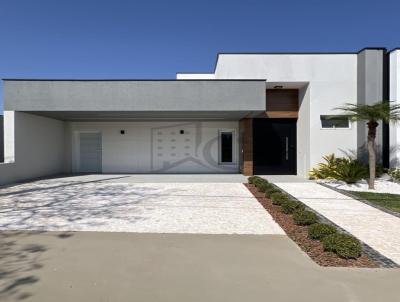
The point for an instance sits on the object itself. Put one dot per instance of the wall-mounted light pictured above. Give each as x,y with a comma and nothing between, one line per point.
278,87
122,132
181,131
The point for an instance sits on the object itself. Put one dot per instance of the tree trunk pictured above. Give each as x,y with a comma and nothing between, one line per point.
371,153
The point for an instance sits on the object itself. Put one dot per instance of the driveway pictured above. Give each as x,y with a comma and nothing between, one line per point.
99,266
120,204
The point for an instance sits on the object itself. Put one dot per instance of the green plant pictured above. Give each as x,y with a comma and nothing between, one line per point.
304,217
260,181
380,111
394,174
290,206
339,168
272,190
318,231
343,245
264,186
253,179
278,198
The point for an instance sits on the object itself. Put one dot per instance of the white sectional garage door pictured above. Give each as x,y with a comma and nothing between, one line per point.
90,153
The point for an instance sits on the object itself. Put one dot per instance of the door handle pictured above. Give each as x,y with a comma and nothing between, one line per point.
287,148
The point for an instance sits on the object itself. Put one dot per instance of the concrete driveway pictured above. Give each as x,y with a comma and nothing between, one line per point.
127,204
99,266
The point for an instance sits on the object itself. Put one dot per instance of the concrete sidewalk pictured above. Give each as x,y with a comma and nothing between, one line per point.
378,229
88,266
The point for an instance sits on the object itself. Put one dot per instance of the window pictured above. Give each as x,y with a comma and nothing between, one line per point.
226,146
335,121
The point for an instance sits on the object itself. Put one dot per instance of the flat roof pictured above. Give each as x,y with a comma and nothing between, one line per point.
138,80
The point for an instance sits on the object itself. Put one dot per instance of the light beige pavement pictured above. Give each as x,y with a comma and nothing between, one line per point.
378,229
113,204
85,266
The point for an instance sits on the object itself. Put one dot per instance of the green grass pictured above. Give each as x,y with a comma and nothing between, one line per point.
388,201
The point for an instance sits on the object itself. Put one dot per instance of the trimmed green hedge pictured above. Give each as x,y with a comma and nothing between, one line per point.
263,187
318,231
278,198
290,206
304,217
343,245
269,192
253,179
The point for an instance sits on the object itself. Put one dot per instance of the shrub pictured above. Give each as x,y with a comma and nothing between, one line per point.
394,174
260,181
290,206
318,231
304,217
262,187
278,198
269,192
253,179
340,168
343,245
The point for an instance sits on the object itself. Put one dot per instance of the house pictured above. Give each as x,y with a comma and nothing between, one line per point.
257,113
1,139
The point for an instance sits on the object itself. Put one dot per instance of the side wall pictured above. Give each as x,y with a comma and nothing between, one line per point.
395,98
1,139
39,147
156,147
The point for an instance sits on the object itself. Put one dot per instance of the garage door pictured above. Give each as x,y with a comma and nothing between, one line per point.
90,153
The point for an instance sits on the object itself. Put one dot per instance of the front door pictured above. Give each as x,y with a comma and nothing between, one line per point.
274,146
90,158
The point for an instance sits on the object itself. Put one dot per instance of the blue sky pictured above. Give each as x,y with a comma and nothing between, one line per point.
155,39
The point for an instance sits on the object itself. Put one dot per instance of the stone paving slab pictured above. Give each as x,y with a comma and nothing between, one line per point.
379,230
207,208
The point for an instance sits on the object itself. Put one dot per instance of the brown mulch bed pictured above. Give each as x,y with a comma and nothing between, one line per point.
299,234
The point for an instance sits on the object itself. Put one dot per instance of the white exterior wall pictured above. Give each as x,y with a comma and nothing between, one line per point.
195,76
156,147
394,96
332,81
34,147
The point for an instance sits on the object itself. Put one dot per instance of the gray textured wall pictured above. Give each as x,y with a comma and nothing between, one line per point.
21,95
369,91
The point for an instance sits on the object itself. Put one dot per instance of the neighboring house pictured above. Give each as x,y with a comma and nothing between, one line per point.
258,113
1,139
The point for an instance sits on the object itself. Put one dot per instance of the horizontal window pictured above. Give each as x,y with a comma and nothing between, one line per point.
335,121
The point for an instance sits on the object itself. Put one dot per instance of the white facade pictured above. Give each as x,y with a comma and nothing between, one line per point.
394,96
175,126
34,147
157,147
325,81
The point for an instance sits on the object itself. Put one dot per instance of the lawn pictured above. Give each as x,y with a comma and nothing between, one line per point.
388,201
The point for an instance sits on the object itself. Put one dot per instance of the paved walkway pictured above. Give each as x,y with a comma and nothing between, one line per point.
114,205
379,230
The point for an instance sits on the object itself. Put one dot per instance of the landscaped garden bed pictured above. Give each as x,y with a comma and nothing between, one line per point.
329,247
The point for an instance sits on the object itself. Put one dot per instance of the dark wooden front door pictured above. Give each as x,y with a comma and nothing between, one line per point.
274,146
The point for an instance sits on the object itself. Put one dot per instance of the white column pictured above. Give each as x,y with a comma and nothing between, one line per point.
394,96
9,136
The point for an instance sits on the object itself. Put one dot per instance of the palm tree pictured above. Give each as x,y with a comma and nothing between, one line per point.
381,111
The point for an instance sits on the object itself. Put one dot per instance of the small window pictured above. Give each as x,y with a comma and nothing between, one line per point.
226,146
335,121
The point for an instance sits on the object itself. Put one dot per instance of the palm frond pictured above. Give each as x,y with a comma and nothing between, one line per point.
380,111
